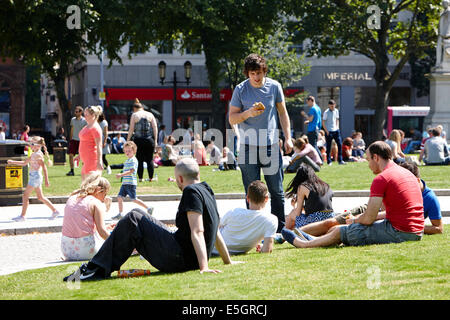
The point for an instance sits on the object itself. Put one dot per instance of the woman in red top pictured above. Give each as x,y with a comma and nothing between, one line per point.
90,149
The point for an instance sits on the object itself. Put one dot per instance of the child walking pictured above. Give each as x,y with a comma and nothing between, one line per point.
129,179
37,166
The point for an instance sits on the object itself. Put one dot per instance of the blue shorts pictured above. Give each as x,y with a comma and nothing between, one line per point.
381,231
127,190
35,179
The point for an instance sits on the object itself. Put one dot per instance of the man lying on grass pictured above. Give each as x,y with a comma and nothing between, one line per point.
188,248
431,210
396,190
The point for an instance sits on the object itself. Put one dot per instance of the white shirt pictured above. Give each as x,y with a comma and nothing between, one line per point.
330,119
242,229
2,136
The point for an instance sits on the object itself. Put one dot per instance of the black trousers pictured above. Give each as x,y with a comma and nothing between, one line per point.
151,238
145,151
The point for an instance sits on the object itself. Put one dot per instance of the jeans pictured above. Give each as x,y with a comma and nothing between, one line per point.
313,136
336,135
151,238
411,146
254,158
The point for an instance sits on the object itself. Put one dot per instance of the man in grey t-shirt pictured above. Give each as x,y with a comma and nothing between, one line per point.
435,150
256,105
76,124
331,127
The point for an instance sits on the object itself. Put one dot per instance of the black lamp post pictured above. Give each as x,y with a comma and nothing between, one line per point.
175,81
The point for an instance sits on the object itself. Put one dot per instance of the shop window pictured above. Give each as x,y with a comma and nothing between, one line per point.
324,94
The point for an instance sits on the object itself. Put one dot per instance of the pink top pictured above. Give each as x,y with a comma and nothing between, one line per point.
88,147
78,221
309,151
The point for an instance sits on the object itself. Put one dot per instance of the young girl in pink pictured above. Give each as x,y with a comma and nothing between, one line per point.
90,149
37,167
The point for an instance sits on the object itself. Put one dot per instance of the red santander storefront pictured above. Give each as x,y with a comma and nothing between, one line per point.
192,104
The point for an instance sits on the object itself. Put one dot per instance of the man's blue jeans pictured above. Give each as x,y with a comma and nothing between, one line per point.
252,160
411,146
336,135
313,136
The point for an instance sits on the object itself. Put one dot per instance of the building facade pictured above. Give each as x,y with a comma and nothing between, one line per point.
348,80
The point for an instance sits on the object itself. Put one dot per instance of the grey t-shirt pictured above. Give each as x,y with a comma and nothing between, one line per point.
77,126
263,127
435,150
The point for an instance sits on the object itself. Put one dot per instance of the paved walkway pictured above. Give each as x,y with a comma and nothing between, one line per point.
35,243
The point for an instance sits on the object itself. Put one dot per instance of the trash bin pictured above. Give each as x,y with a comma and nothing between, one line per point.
59,152
13,179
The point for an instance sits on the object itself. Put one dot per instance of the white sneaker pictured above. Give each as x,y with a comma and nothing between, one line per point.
108,170
118,217
19,219
54,215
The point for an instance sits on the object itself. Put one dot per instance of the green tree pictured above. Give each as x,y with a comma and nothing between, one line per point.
334,28
225,29
285,64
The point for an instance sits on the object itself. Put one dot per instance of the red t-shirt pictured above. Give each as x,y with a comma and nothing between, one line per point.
402,198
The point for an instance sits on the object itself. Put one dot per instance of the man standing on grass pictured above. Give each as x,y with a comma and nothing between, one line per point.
314,122
332,132
257,105
188,248
76,124
394,188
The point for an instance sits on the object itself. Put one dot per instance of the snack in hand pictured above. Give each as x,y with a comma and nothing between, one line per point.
259,106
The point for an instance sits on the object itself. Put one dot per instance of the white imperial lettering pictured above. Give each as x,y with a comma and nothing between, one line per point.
346,76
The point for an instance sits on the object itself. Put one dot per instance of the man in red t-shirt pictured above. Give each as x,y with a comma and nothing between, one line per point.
395,190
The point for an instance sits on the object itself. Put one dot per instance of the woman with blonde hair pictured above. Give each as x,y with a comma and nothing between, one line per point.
91,145
144,132
395,142
83,216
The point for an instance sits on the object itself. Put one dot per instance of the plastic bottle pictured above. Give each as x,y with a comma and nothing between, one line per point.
132,273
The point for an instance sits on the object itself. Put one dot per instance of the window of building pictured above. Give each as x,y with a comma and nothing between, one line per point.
165,47
324,94
135,49
195,47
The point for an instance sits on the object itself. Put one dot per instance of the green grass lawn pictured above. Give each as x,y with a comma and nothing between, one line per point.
353,176
411,270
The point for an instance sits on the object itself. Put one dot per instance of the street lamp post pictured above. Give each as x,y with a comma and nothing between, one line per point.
174,81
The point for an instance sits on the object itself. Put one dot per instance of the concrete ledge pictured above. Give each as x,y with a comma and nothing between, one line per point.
221,196
46,229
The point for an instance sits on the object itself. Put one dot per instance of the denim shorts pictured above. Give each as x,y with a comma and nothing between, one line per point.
381,231
127,190
35,179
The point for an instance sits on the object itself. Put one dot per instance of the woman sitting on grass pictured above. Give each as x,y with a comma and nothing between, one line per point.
83,215
310,193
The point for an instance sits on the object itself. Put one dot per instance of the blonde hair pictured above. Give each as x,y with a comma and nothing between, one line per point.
130,144
91,185
41,141
95,110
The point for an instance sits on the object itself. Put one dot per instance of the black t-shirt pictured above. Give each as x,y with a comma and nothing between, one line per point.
316,202
197,197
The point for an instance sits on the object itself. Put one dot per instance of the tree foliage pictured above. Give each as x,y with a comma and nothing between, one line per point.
335,28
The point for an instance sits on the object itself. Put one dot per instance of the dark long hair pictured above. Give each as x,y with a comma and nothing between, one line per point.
307,177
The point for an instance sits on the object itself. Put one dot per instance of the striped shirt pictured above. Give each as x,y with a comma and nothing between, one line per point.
131,163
